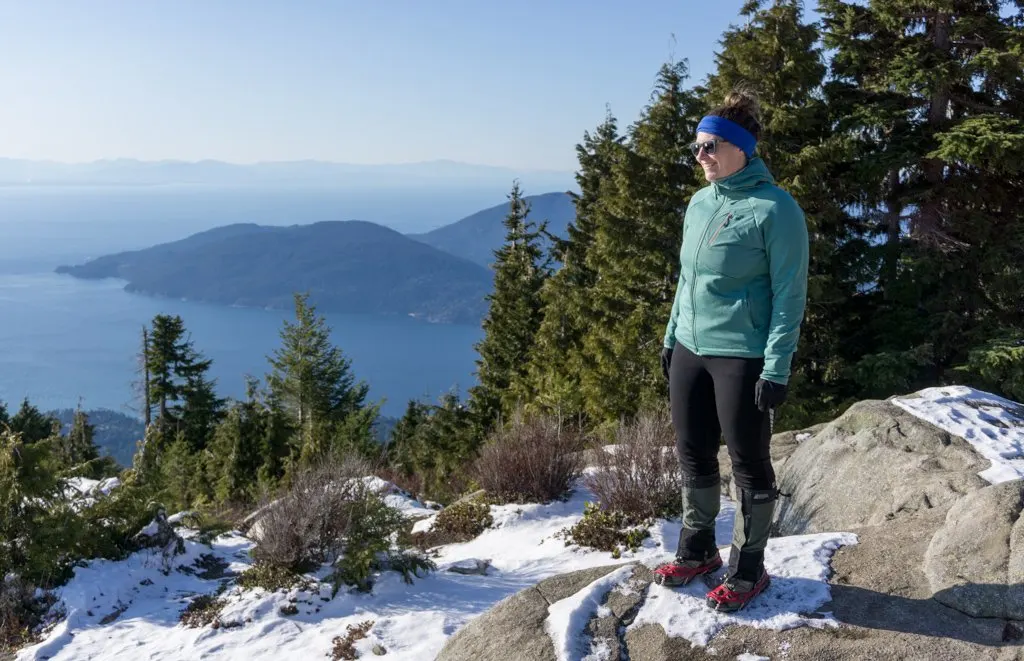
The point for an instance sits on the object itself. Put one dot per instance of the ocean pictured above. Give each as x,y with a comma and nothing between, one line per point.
65,341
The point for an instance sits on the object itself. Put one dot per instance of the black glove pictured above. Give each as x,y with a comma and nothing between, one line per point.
768,394
666,360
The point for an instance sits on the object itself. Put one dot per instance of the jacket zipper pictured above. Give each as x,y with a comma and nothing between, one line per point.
718,231
693,279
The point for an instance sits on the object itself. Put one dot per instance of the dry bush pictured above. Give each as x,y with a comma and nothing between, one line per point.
344,647
202,610
530,460
330,514
640,477
306,527
20,612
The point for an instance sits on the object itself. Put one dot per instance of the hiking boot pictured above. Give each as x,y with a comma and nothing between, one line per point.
680,572
735,593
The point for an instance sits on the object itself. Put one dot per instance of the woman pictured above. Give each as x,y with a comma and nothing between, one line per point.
729,344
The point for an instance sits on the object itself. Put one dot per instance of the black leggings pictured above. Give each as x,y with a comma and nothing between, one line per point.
712,395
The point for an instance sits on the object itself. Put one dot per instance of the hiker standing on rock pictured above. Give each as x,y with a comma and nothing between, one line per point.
728,346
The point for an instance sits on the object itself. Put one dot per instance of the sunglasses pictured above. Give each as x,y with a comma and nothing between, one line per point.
710,147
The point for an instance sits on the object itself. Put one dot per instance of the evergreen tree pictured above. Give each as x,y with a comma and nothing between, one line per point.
236,447
312,379
635,253
556,361
201,409
404,436
178,383
166,350
180,476
441,447
33,426
520,269
276,432
80,445
936,106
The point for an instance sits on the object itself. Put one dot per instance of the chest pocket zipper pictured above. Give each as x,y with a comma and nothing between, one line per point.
718,231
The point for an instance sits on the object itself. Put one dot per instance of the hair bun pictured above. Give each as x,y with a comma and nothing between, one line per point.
745,100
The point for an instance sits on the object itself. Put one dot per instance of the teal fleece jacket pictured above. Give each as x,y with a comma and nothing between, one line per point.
742,284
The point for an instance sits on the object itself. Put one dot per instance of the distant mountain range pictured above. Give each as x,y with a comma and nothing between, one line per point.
476,237
346,266
299,173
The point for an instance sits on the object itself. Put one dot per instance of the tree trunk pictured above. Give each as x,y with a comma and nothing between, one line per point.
147,405
894,210
928,221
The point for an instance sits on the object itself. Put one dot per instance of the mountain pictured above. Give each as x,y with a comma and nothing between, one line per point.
346,266
476,237
307,172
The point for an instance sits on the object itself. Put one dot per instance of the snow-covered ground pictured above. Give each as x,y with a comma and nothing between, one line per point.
993,425
131,610
142,606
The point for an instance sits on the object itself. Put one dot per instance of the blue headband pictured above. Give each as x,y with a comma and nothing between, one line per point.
729,130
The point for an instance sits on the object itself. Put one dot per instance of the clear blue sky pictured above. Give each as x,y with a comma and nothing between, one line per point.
370,81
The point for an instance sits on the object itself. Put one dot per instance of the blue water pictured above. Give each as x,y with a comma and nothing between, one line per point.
63,339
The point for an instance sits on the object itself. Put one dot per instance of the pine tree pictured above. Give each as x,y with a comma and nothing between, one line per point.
201,409
166,350
556,360
180,476
443,445
313,380
276,432
80,444
404,437
178,383
514,315
236,448
936,107
635,253
32,425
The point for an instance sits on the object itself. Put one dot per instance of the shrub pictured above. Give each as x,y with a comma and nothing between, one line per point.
344,649
606,531
270,577
531,460
640,477
371,526
459,522
329,515
307,526
20,612
201,611
997,365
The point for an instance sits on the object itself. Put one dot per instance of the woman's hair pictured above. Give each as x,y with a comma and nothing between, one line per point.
741,106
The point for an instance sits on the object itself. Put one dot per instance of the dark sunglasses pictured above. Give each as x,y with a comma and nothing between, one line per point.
709,147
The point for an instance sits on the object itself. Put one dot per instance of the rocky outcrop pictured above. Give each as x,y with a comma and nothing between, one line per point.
873,464
880,598
975,561
517,622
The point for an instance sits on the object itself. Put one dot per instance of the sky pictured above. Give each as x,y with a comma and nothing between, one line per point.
371,81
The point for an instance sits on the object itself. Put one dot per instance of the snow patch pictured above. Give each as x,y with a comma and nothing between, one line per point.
799,570
992,425
567,618
397,498
747,656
